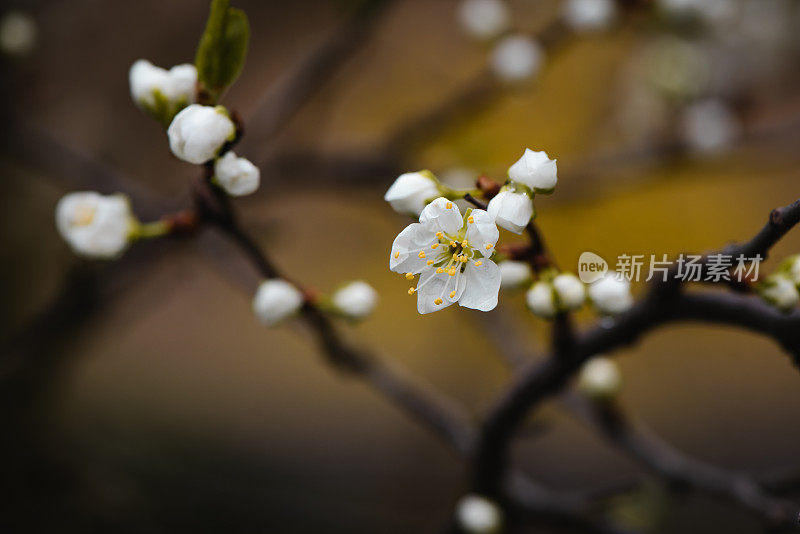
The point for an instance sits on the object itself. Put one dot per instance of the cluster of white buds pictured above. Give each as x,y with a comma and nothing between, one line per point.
276,300
600,378
611,294
355,300
94,225
478,515
516,58
484,19
160,92
782,288
532,174
554,293
412,191
589,15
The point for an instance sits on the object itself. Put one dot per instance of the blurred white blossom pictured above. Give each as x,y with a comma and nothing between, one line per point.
511,210
478,515
611,294
484,19
410,192
276,300
162,92
570,291
514,274
780,291
198,132
237,176
709,126
541,300
536,171
516,58
17,33
587,15
356,300
600,378
451,254
793,269
95,225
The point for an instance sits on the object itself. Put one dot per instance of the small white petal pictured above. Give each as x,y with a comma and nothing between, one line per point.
600,378
484,19
482,284
410,191
478,515
94,225
536,171
588,15
482,231
442,215
540,299
511,210
781,291
610,294
145,80
516,58
514,274
433,286
198,132
356,299
404,256
276,300
570,290
237,176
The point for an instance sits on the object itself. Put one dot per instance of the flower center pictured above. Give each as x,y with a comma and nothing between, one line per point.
84,215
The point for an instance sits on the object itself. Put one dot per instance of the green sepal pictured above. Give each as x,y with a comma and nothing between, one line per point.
222,49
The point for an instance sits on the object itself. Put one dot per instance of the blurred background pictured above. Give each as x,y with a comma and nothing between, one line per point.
142,396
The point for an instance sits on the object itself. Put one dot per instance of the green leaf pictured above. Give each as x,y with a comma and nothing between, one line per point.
222,48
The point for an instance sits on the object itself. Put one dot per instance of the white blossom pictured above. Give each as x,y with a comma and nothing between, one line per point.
513,274
478,515
587,15
95,225
541,299
611,294
237,176
600,378
276,300
793,269
536,171
516,58
410,192
451,254
570,291
709,126
17,33
198,132
484,19
356,300
511,210
780,291
162,92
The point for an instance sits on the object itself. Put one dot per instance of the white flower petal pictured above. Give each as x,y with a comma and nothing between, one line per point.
514,274
433,286
588,15
404,257
95,225
511,210
482,231
484,19
570,290
237,176
482,285
610,294
535,170
516,58
356,299
410,191
540,299
276,300
197,133
600,378
442,215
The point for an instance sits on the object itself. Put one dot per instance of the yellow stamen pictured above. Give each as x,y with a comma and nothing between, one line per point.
464,259
478,263
430,262
409,276
465,243
471,219
439,235
452,272
452,294
396,255
455,255
437,301
449,205
439,270
452,243
488,246
411,290
435,246
421,254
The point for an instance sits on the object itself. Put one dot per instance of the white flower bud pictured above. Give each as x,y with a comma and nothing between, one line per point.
409,193
793,269
237,176
198,132
588,15
478,515
536,171
511,210
484,19
356,299
162,92
780,291
610,294
276,300
600,378
17,33
709,126
513,274
94,225
516,58
570,291
541,300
